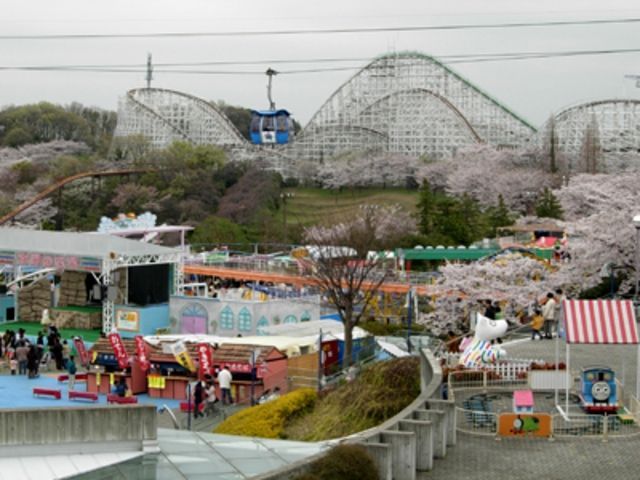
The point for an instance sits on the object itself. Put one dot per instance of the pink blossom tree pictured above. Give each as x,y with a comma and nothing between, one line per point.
345,264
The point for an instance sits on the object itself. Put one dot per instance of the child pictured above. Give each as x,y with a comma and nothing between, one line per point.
536,324
13,363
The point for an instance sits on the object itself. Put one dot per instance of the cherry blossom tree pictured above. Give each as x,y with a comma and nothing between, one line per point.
345,264
366,169
484,173
510,278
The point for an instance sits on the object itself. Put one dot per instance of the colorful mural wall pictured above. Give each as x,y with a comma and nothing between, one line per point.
232,317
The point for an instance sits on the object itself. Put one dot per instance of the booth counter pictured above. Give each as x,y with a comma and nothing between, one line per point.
174,387
132,320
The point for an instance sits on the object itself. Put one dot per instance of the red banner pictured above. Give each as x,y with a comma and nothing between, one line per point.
141,350
330,351
205,358
82,351
118,350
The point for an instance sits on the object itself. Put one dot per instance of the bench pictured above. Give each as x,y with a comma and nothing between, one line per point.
83,396
79,377
113,398
51,392
188,407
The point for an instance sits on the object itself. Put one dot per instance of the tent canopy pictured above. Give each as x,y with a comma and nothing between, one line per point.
600,322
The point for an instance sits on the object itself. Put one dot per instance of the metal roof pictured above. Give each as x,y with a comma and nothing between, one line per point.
78,244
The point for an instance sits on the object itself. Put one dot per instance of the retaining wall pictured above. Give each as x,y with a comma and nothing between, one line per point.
86,429
406,443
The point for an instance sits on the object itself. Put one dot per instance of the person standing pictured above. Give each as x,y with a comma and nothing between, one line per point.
536,325
198,397
559,298
40,346
210,398
32,361
224,380
22,352
549,314
71,369
66,352
56,351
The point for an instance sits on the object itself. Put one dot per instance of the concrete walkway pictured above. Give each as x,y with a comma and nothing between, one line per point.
580,458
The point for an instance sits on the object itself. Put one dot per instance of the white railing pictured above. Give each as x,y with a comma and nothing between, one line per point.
487,378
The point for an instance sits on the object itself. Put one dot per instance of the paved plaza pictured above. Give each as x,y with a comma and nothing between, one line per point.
483,457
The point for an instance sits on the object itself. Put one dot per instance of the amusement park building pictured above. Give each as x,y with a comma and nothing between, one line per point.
407,103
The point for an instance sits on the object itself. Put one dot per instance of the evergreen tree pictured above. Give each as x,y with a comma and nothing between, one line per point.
548,205
427,208
499,216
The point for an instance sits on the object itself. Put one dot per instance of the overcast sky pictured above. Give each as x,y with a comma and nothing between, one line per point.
532,88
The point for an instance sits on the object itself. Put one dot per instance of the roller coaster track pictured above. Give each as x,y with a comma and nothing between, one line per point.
61,183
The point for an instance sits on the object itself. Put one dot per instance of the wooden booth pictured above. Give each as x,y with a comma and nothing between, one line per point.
104,371
169,379
271,369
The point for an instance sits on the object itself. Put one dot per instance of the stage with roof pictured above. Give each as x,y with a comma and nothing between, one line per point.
126,283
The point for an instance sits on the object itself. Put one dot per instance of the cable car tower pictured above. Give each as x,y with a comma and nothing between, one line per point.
271,127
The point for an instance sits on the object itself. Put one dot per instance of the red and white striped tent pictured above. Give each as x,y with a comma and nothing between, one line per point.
600,322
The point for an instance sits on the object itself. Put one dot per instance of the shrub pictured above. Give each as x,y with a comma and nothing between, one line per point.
381,391
269,420
345,462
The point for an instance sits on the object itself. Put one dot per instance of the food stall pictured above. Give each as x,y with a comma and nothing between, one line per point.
104,370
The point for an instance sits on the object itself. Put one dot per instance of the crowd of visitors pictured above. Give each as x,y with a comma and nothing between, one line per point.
26,358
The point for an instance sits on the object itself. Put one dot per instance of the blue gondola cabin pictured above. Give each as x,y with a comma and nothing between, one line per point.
271,127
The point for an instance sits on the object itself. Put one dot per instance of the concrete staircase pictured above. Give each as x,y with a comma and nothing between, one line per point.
409,442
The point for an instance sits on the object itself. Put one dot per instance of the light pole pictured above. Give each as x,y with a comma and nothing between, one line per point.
636,223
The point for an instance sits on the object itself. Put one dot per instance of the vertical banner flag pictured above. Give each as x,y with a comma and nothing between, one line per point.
118,350
82,351
179,351
141,350
205,357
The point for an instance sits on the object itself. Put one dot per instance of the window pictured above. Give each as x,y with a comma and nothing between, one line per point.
282,122
262,324
290,319
305,317
255,124
244,320
226,319
267,124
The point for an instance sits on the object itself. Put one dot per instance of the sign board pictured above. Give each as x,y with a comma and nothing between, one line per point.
205,358
128,320
82,351
524,425
181,354
119,350
141,350
59,262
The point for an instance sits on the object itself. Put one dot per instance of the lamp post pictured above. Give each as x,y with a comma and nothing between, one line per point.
636,223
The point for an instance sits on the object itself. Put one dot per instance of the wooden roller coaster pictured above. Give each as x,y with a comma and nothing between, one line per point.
61,183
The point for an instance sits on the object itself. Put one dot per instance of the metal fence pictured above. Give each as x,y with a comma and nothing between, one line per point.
476,421
480,417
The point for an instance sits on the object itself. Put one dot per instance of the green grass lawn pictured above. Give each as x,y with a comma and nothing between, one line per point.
309,206
32,328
